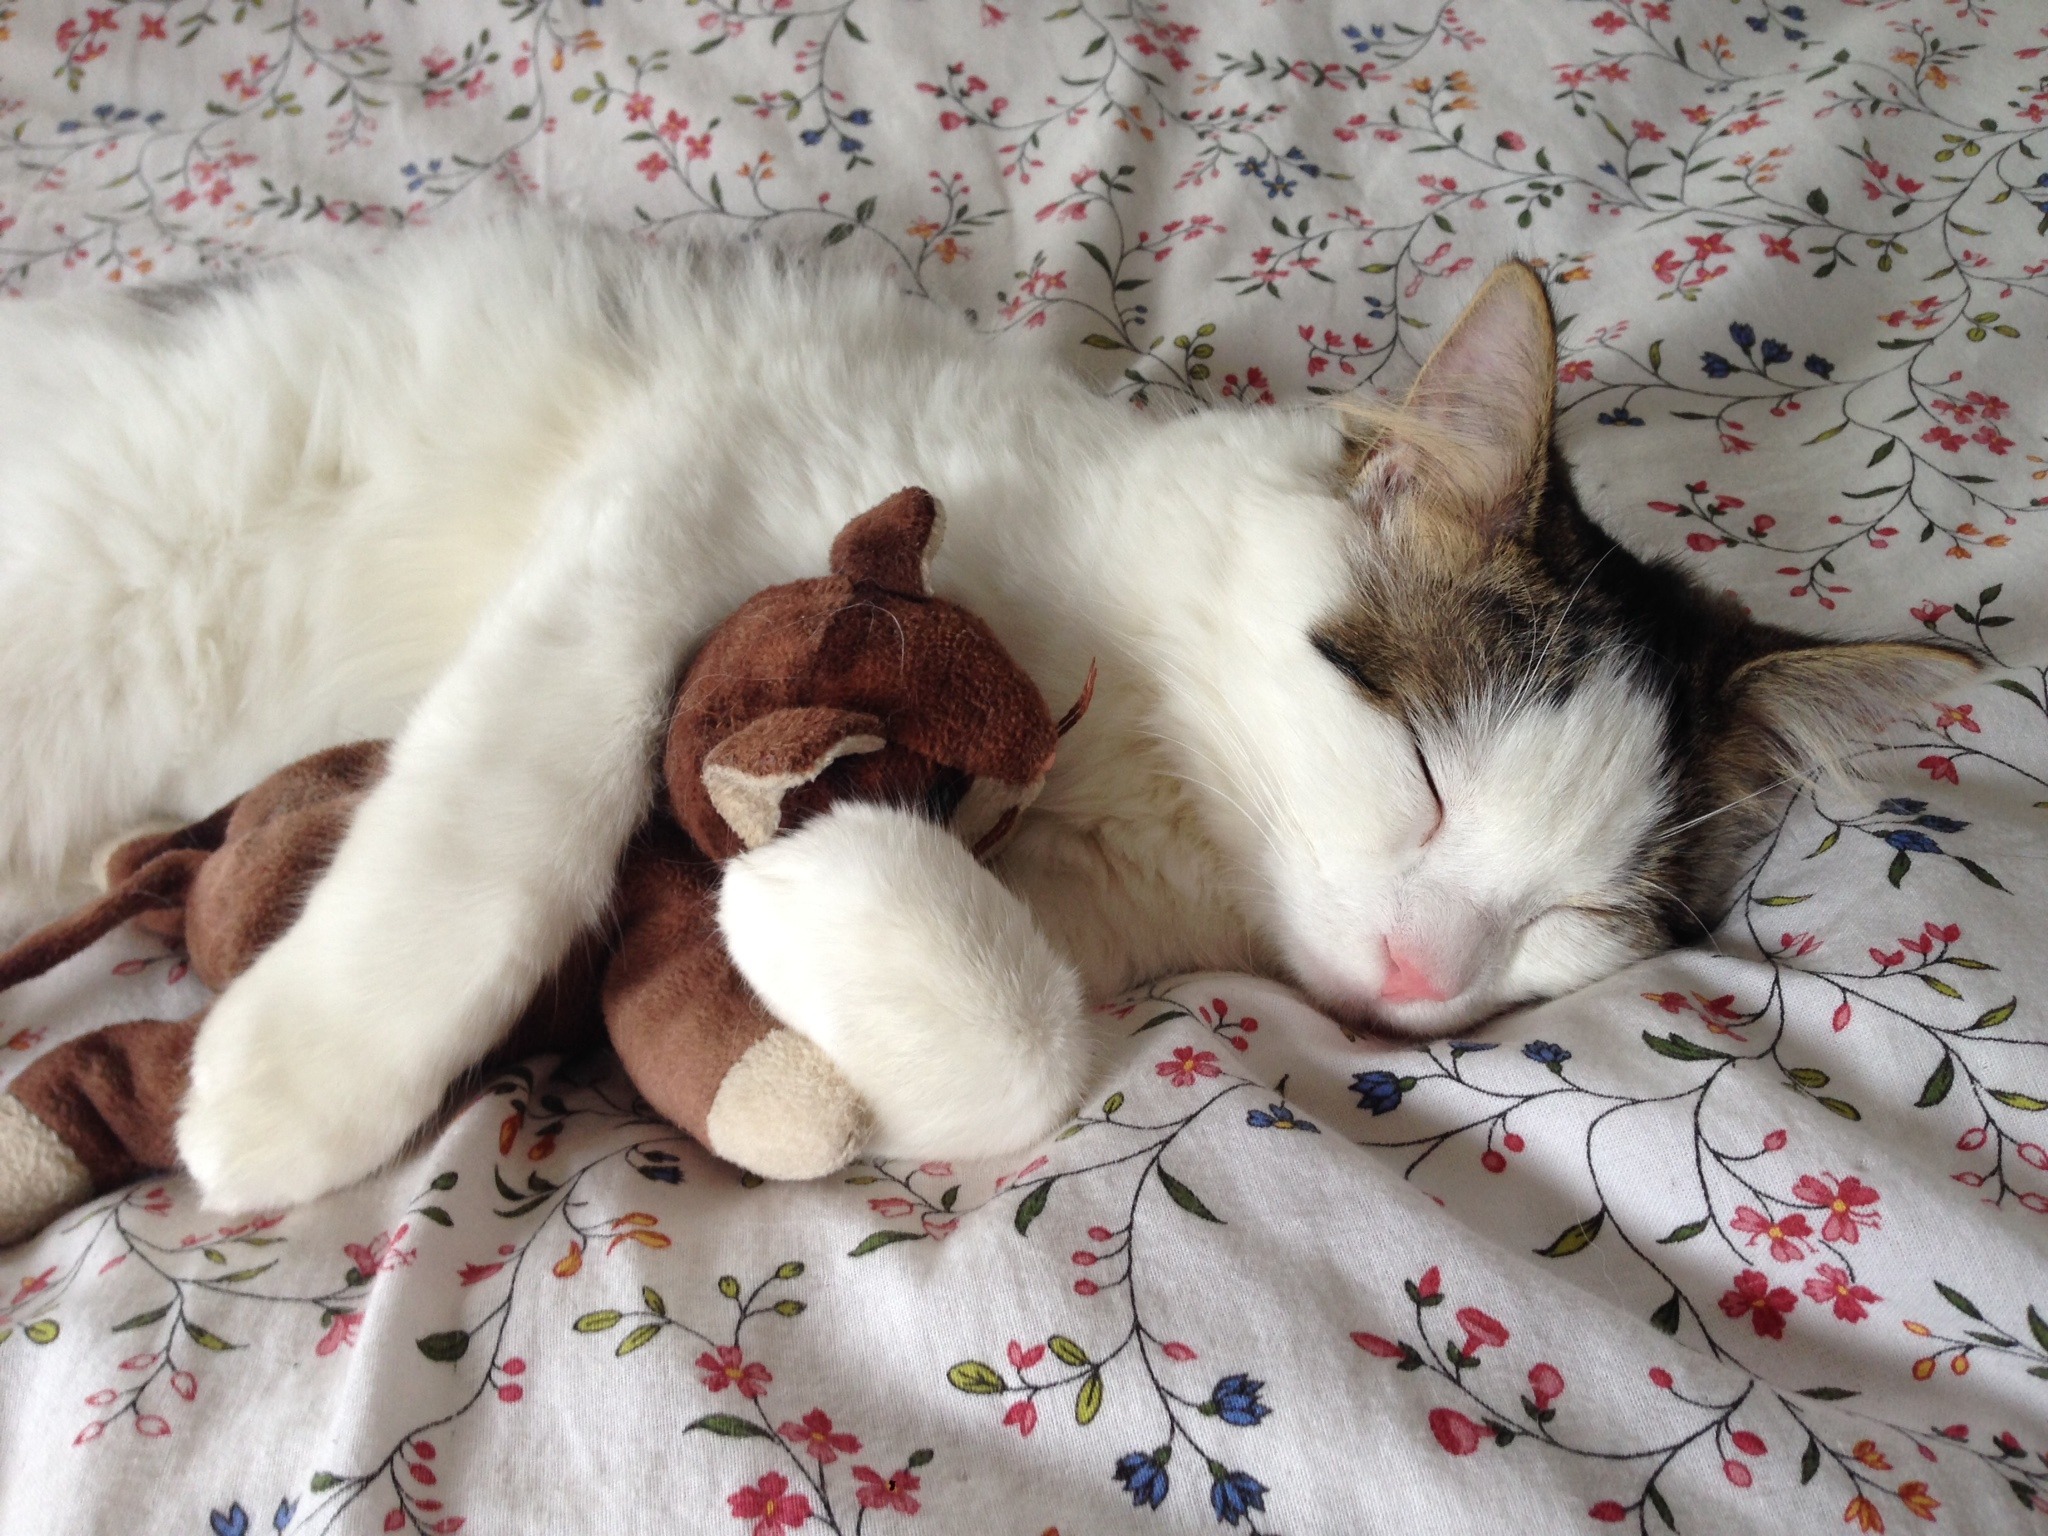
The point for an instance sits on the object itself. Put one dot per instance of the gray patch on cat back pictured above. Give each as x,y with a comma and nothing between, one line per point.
1508,595
176,298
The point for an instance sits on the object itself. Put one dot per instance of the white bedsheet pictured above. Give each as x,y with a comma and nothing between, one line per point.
1753,1237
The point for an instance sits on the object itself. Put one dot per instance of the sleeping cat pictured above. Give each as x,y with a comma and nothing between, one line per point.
1380,710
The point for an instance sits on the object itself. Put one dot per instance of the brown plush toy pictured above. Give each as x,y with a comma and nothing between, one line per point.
858,685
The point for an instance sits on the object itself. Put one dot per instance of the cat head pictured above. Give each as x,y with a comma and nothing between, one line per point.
1504,756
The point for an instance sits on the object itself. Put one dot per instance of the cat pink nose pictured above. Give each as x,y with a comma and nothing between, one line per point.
1408,979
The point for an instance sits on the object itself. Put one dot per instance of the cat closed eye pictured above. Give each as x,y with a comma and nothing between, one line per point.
1350,666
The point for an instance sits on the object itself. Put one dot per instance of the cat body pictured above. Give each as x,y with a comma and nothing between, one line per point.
487,492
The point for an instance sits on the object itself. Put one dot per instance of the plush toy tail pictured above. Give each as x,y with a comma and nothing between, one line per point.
154,875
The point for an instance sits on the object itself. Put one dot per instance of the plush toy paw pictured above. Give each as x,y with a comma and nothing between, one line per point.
874,933
39,1178
294,1094
784,1111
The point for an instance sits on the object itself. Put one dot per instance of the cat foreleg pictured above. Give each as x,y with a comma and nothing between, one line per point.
491,841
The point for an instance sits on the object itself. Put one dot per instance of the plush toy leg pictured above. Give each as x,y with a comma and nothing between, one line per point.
784,1111
697,1044
40,1179
91,1115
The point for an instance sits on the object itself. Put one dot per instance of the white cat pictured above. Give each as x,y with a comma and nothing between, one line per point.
1384,714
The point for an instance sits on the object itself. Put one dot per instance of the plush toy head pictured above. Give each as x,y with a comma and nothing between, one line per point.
860,685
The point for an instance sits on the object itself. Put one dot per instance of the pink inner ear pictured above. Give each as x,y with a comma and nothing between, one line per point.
891,545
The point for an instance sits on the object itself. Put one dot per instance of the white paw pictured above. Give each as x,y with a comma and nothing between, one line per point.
300,1085
875,934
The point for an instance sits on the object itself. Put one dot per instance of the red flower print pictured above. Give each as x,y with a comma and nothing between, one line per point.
892,1492
1480,1330
1785,1233
1863,1515
653,166
342,1330
1546,1384
1607,1512
381,1252
1831,1283
728,1368
1023,1416
1843,1201
1737,1473
1511,141
1958,715
1023,1359
470,1274
1775,1142
1187,1065
770,1505
1610,22
1373,1344
1431,1282
1454,1432
816,1437
1781,247
1866,1451
1577,371
893,1205
1749,1443
1765,1305
1940,769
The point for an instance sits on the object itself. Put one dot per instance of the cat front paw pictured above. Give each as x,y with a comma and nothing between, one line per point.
874,934
291,1095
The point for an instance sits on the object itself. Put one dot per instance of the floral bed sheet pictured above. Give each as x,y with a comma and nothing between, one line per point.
1752,1237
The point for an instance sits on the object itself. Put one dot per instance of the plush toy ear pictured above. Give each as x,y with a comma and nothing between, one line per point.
892,545
1466,452
747,774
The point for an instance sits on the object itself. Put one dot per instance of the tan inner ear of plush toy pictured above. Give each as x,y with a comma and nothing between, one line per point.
748,773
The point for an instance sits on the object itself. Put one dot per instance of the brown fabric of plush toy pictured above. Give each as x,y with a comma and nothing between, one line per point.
857,685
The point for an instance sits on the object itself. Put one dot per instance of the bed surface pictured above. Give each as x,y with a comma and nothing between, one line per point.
1751,1237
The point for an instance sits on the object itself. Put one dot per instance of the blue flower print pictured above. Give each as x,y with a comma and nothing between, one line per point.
1818,366
1379,1092
1776,352
1906,840
1743,334
1236,1401
1900,807
1143,1475
1233,1493
1279,1117
1715,366
1552,1056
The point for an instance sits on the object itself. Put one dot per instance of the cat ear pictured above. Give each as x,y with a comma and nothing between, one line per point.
1814,705
1470,442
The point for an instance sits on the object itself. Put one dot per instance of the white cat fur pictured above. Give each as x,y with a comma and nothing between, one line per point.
487,491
